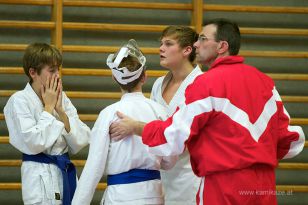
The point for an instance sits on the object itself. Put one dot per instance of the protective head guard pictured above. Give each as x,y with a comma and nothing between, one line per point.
123,75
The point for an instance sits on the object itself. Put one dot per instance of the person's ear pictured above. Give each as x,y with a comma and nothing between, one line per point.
223,47
143,78
187,51
32,72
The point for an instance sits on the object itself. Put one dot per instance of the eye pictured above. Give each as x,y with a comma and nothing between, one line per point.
168,43
202,38
53,70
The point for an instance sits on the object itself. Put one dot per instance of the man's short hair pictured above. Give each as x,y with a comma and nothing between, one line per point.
227,31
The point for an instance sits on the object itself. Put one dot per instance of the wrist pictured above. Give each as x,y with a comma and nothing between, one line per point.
61,113
138,128
48,109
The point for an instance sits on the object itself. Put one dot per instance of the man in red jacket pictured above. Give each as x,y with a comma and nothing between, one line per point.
233,124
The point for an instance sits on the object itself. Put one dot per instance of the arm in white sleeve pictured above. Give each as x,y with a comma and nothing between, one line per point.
26,134
96,161
79,135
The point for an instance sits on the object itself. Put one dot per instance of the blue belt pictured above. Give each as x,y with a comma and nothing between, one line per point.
133,176
67,168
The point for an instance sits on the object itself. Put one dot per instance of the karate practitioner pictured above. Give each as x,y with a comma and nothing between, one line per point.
133,173
234,125
44,125
177,55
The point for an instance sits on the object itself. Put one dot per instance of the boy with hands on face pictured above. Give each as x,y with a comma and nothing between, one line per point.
44,125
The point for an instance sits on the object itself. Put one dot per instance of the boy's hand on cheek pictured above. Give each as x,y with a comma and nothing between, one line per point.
50,93
59,109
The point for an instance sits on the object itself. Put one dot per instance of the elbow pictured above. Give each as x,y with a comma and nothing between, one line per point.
78,141
78,144
76,149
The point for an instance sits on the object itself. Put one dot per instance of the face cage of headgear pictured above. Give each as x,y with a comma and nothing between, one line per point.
123,75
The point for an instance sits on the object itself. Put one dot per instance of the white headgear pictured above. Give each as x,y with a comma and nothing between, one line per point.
123,75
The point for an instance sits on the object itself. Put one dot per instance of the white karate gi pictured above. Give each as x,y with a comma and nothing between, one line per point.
33,130
110,157
180,183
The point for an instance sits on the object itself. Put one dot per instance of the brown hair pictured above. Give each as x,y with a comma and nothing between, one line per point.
184,35
132,64
229,31
38,55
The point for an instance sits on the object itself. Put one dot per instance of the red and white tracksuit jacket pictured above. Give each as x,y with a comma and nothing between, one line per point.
235,128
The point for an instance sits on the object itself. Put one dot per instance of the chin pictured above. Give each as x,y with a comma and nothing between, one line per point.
162,63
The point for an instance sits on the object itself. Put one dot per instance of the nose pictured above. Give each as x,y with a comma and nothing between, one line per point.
161,48
196,44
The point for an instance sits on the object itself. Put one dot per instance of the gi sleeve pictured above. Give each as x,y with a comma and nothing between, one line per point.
79,135
26,134
96,161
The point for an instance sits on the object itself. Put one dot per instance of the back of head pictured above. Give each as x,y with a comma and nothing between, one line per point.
227,31
184,35
127,65
132,64
38,55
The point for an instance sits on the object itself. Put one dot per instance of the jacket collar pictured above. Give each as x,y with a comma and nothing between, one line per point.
33,95
227,60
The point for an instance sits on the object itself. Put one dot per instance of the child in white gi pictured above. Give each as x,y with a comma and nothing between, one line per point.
44,125
133,174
